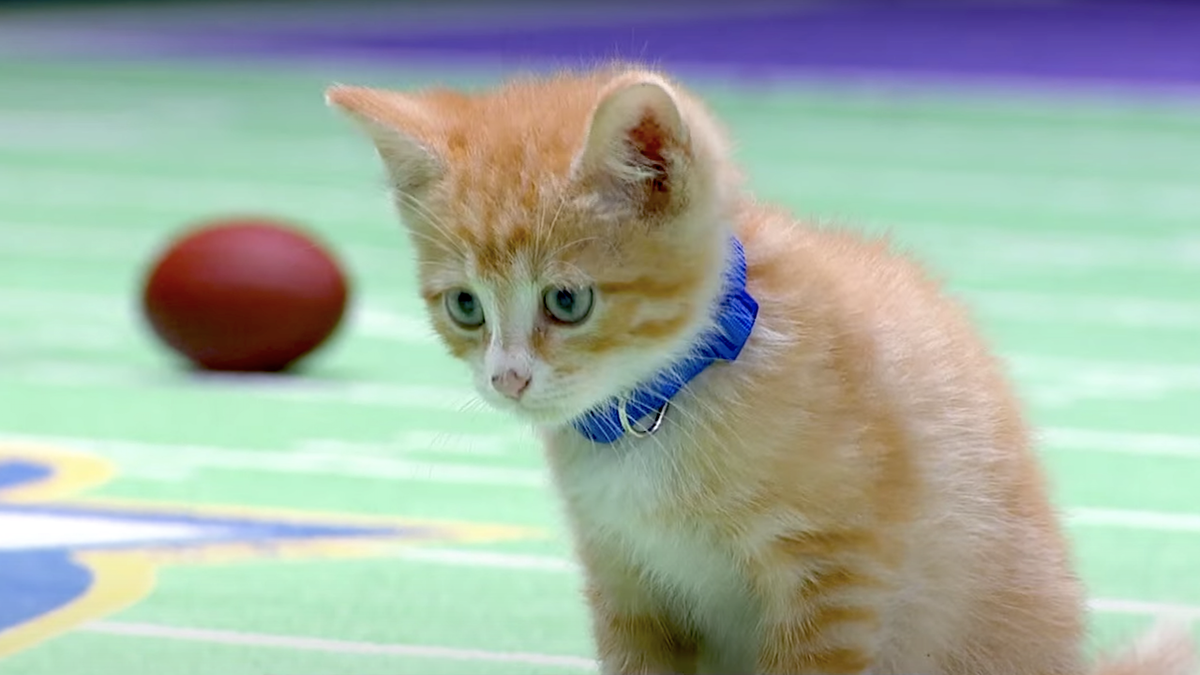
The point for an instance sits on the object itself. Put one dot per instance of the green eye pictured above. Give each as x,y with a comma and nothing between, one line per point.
464,308
568,305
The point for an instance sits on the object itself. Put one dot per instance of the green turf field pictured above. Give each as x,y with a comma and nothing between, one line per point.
1071,225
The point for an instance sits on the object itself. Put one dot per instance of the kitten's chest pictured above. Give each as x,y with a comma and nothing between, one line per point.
629,503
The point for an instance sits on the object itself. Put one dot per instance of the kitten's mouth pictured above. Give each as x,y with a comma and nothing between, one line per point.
542,412
553,416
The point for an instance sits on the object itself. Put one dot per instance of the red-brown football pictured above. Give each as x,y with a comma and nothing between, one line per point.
245,294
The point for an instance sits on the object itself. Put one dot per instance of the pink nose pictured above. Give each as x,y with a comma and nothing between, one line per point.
510,383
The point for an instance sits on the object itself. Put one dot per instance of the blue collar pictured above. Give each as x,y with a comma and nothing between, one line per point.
734,320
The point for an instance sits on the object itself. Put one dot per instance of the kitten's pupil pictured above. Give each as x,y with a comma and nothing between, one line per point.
466,303
565,300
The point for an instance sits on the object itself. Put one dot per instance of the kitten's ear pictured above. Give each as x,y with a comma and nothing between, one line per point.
637,146
394,122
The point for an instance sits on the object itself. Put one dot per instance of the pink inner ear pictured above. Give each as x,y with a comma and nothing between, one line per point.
652,146
649,137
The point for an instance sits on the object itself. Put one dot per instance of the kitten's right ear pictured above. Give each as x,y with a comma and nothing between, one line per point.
394,122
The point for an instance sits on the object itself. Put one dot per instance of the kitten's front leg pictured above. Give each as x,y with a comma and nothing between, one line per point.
639,643
825,622
632,632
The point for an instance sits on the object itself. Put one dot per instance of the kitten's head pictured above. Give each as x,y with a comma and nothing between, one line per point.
571,232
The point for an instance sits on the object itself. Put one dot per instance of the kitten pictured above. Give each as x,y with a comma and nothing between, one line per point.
781,449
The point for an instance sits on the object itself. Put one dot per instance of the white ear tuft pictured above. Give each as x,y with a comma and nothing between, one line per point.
392,121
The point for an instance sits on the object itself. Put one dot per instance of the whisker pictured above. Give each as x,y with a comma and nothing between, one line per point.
548,232
452,238
571,244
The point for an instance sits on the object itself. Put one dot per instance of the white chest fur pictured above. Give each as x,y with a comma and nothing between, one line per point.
620,494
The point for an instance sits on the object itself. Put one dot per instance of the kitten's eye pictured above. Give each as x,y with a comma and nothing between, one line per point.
568,305
464,308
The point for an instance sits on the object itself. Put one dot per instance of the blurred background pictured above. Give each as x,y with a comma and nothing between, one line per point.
361,515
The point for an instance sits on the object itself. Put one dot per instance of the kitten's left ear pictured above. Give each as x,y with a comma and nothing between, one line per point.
396,123
637,147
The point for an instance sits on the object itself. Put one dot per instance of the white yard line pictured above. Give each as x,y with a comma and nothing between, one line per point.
973,240
1054,438
1170,201
378,320
1120,442
298,389
349,647
411,441
133,250
826,133
152,457
39,303
1074,309
1142,608
300,462
382,324
1046,382
556,564
1174,202
485,559
204,130
312,644
155,194
54,313
1051,382
1063,250
1134,520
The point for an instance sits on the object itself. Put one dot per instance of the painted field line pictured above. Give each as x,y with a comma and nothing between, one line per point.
387,460
1055,381
1083,121
132,250
1024,245
933,142
280,388
556,564
377,319
1134,520
347,647
960,240
151,456
61,187
1119,442
487,560
830,145
309,644
829,137
1050,308
1052,382
1047,381
1173,201
64,312
1143,608
50,304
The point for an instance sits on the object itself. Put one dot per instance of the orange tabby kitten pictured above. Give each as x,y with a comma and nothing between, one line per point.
782,449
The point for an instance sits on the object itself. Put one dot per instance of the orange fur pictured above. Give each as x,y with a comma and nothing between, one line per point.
855,494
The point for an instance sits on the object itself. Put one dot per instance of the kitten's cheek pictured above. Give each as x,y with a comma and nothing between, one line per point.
460,346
